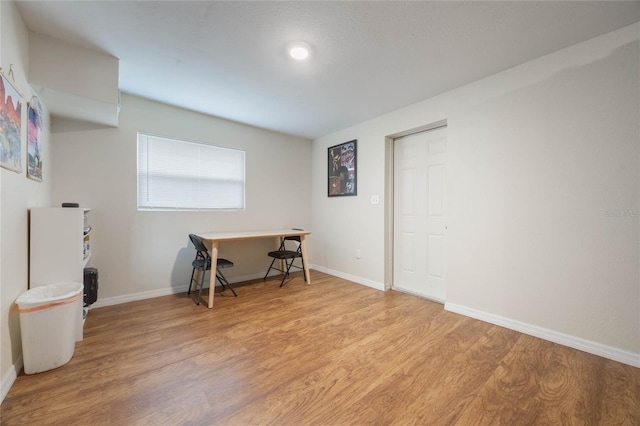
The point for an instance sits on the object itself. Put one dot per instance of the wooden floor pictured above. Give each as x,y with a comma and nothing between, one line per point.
334,353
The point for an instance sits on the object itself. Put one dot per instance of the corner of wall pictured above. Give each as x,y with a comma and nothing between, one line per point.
10,377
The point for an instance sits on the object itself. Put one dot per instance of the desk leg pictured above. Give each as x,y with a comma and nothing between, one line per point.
212,279
303,246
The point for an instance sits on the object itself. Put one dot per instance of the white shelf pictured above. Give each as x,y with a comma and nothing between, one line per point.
59,247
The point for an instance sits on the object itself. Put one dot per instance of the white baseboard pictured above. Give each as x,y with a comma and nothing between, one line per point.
355,279
10,377
599,349
116,300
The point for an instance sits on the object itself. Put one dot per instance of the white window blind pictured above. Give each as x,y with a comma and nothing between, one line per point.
180,175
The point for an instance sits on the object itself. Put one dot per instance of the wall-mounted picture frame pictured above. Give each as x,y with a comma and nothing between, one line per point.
10,126
34,140
342,169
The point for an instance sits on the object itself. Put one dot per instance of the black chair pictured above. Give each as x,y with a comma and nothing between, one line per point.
289,256
202,263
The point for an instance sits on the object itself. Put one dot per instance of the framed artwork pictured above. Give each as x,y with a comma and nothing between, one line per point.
34,140
342,169
10,126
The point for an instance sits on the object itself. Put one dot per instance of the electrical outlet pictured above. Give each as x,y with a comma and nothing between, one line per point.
358,254
375,199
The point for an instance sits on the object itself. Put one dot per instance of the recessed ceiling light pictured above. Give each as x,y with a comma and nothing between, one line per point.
299,50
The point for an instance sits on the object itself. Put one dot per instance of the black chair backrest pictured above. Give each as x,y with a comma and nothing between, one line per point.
294,237
198,244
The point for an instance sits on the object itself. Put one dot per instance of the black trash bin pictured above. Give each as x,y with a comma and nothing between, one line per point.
90,286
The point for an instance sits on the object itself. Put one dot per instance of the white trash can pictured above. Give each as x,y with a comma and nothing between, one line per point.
50,317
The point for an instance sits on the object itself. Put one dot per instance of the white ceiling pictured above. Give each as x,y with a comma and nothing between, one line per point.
228,58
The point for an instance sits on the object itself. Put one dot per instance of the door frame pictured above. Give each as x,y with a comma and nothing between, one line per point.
389,195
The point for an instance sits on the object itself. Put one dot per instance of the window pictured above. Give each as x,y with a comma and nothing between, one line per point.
180,175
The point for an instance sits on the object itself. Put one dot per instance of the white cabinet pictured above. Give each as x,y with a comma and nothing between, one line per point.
59,245
59,248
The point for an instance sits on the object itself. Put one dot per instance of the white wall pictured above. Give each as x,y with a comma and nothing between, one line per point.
543,158
141,254
17,195
75,82
94,75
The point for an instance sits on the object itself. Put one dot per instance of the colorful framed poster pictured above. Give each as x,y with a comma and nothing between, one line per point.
342,169
34,140
10,126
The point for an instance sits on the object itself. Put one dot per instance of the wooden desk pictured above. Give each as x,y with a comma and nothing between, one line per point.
214,239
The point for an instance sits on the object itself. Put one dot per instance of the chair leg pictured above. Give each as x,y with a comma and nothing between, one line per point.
223,281
284,277
303,273
193,272
202,274
269,270
286,274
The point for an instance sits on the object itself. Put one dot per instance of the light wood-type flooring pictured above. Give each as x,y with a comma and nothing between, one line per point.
333,353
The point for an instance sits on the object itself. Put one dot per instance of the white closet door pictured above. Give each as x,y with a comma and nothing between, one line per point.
420,214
